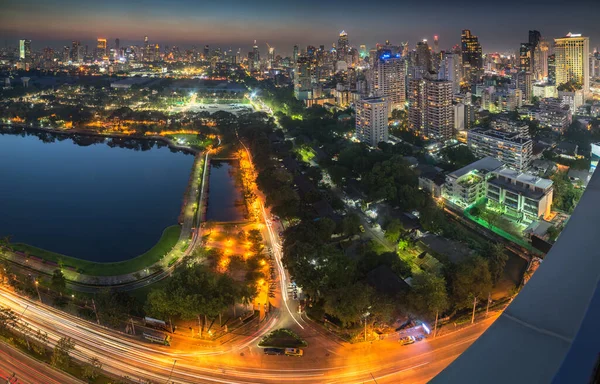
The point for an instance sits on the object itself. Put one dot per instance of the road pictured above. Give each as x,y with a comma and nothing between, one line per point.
22,369
325,361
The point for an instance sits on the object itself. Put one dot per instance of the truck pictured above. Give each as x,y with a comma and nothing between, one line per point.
155,323
157,337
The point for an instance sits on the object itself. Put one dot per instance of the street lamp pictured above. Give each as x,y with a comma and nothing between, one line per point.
37,288
172,368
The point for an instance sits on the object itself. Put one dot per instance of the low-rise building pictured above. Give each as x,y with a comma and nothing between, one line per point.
508,147
465,186
431,179
574,99
522,196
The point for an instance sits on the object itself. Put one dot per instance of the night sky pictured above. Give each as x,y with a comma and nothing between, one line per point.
500,25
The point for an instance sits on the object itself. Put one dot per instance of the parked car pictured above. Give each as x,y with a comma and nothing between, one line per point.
275,351
406,340
294,352
362,229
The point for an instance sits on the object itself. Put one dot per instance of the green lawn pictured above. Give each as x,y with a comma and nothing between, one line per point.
166,242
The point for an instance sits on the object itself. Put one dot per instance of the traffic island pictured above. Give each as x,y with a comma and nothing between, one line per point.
282,338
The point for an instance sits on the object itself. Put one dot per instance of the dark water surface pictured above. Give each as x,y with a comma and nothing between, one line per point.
225,200
96,202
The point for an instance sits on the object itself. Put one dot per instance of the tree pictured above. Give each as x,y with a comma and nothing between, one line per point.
459,156
350,224
58,282
471,279
349,303
497,259
91,371
491,217
393,230
61,355
429,295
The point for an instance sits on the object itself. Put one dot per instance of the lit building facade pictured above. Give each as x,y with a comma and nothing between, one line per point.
389,78
372,120
472,56
508,147
522,196
572,60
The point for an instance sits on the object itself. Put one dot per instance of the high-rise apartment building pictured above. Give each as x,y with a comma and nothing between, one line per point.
572,60
25,50
472,56
450,70
439,110
372,120
389,79
552,69
416,105
524,82
509,147
430,110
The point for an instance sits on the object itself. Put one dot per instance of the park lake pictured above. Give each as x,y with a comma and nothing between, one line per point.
92,198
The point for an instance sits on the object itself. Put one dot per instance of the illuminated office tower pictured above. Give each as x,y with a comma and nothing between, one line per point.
436,44
101,49
25,50
416,106
117,48
423,56
389,79
342,46
255,57
372,120
572,60
472,56
76,52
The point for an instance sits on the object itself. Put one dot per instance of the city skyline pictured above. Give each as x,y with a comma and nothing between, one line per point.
185,24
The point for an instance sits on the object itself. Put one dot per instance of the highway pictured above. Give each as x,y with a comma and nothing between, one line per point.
18,368
325,360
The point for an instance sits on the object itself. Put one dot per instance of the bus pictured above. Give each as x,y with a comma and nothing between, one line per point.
155,323
157,337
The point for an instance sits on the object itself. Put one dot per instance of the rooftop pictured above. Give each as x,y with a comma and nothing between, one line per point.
487,164
524,177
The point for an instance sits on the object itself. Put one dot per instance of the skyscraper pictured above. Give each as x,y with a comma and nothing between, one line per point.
423,56
255,56
75,52
117,48
389,79
416,106
295,56
525,57
436,44
101,49
552,69
472,56
342,46
25,50
372,120
572,60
